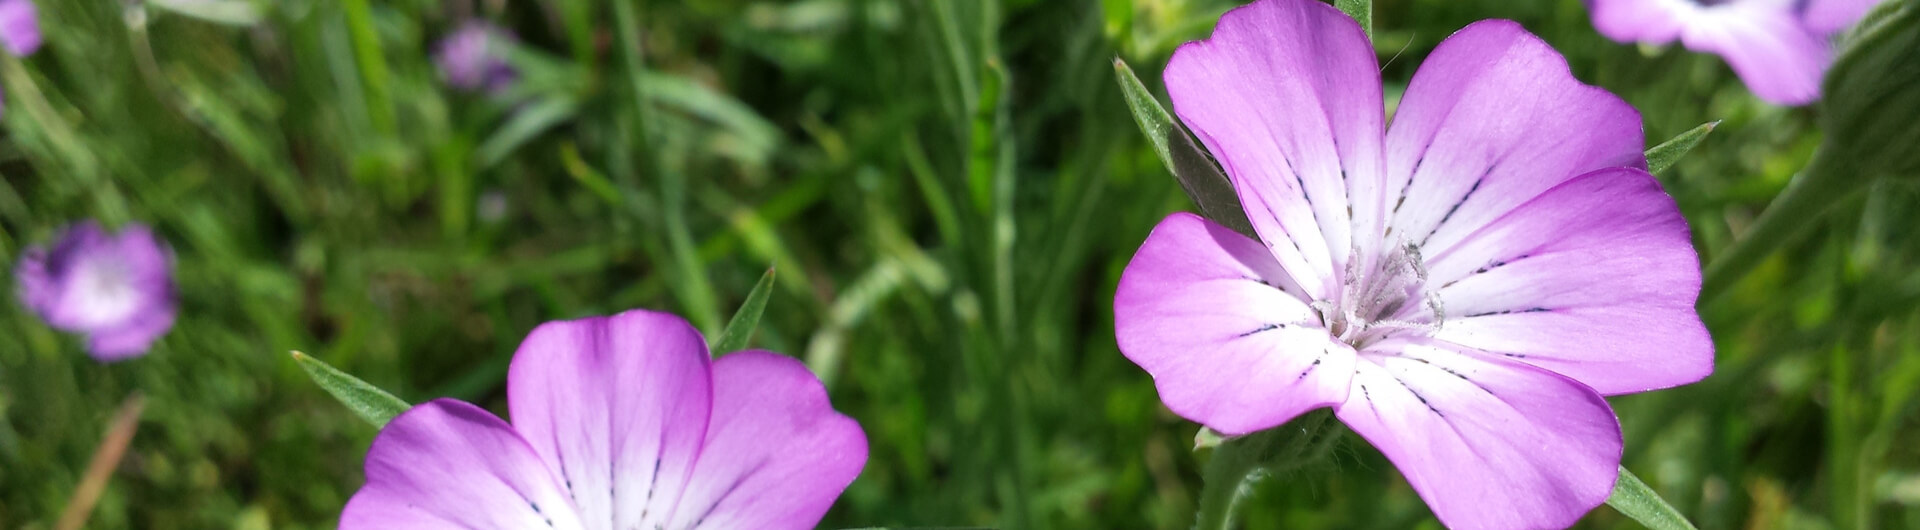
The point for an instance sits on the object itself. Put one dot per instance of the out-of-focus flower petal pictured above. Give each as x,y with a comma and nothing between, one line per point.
777,454
1594,279
1492,119
448,464
1647,21
1286,95
1826,17
618,406
1200,308
19,27
133,337
1778,58
1488,442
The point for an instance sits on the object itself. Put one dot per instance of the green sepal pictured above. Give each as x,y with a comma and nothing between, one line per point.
1663,156
747,319
1197,174
368,401
1635,500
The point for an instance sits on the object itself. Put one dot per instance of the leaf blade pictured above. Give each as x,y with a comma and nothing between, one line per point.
1198,176
1635,500
365,400
740,328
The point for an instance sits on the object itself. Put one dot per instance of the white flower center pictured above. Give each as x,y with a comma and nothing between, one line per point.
1371,300
104,292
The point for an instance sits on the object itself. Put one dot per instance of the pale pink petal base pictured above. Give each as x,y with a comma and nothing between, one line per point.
1487,442
1198,308
619,405
447,464
777,455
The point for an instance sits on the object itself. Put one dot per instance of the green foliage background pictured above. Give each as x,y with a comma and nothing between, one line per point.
949,189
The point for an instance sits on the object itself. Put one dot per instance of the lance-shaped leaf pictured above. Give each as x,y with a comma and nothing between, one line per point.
747,319
370,402
1190,165
1663,156
1634,499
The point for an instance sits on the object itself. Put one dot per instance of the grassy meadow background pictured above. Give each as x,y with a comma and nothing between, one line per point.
948,189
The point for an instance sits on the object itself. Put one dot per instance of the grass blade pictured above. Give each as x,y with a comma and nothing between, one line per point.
747,319
1664,155
1634,499
368,401
1196,173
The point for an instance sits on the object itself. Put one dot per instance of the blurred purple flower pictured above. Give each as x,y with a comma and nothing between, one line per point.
1780,48
117,289
474,57
19,27
1463,289
619,422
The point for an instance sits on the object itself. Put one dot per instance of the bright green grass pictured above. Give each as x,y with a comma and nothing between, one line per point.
949,189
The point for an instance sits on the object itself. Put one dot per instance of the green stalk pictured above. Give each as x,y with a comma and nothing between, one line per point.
1240,463
1824,182
373,65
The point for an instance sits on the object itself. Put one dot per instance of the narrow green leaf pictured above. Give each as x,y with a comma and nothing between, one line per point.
1196,173
370,402
1361,11
1634,499
525,125
744,321
1664,155
230,12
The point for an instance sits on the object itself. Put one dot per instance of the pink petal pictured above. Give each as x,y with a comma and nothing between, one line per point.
1286,95
1200,310
449,464
618,406
1646,21
777,454
1826,17
1487,442
1594,279
1493,118
1777,57
132,338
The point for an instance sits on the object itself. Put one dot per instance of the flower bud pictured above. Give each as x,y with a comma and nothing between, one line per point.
1872,106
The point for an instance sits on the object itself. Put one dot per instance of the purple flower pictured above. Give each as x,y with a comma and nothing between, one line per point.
619,422
1779,48
1463,289
474,57
117,289
19,27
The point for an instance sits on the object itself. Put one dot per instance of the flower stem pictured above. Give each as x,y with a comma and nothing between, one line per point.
1824,181
1240,463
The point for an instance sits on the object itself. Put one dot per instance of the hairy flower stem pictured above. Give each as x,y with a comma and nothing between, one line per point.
1825,181
1240,463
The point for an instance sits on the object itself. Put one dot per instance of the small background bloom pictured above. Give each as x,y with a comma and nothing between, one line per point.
473,57
116,289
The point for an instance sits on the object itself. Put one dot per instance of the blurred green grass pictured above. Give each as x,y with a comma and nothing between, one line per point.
948,188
